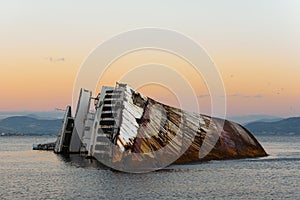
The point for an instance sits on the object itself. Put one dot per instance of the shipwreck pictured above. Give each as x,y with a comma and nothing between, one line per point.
128,130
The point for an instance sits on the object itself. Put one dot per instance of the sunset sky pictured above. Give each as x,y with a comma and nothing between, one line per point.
255,45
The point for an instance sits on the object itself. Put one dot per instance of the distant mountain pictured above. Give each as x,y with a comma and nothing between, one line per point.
286,126
37,115
268,120
29,126
254,118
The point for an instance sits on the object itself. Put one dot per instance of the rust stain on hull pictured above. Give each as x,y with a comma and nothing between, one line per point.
156,132
142,131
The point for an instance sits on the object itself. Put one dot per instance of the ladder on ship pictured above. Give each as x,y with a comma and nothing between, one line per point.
108,123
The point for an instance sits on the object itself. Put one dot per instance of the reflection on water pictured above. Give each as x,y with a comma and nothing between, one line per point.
43,175
80,161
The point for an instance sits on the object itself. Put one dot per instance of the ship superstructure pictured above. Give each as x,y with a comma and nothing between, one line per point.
128,125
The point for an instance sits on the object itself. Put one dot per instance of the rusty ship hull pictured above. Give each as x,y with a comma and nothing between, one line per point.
232,141
130,128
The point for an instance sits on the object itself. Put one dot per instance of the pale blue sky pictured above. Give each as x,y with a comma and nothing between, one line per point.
254,43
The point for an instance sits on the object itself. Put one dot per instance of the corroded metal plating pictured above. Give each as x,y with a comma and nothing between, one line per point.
145,126
128,127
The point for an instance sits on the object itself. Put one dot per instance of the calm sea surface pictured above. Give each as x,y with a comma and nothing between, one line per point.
27,174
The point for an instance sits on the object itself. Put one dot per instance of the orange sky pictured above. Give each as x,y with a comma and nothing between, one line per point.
255,47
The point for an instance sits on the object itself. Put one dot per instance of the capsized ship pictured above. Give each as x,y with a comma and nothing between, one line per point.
128,127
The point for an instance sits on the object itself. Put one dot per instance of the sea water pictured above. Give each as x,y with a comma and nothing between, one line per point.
28,174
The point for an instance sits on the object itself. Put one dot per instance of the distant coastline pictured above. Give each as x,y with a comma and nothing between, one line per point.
35,126
25,135
24,125
289,126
